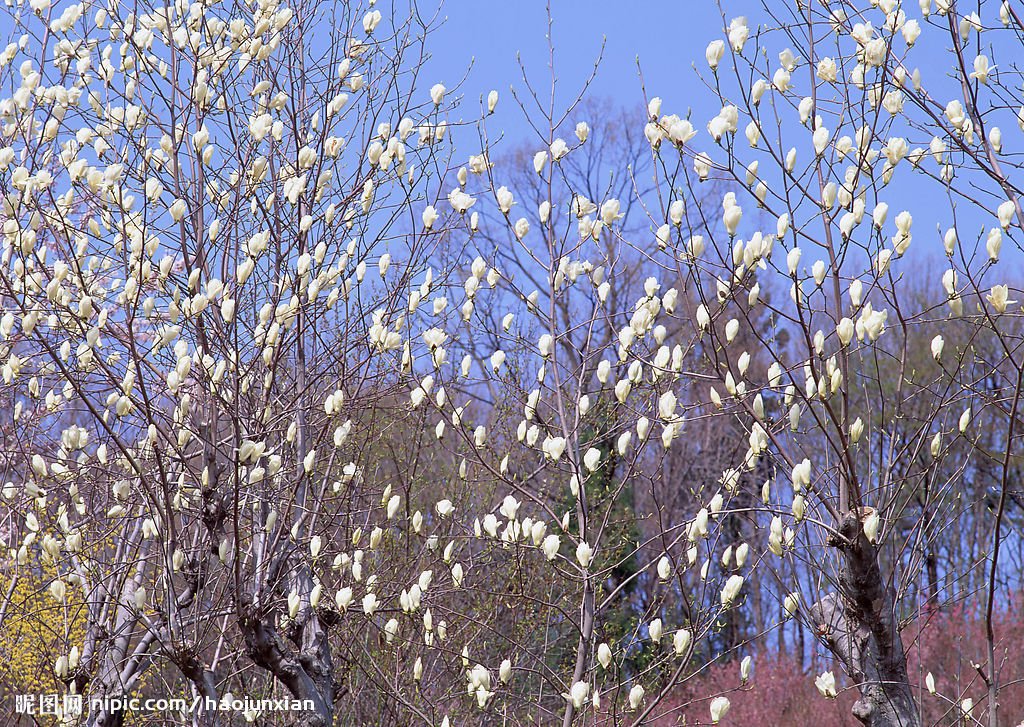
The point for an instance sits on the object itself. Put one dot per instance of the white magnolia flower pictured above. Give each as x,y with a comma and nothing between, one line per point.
826,684
719,706
584,553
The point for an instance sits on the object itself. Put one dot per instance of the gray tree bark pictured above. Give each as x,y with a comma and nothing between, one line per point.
859,626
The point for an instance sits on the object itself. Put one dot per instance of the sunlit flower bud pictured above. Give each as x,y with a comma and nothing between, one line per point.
578,694
584,553
714,52
654,107
371,20
793,260
460,201
871,525
719,706
828,195
818,271
177,210
826,684
732,328
1005,213
994,243
981,68
643,427
702,165
955,114
731,590
731,218
995,138
882,260
781,80
58,589
437,92
879,215
551,545
521,228
636,697
790,604
540,159
799,506
429,217
753,134
610,211
826,70
998,297
820,139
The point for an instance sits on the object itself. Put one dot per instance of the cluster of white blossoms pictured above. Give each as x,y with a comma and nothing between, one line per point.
209,278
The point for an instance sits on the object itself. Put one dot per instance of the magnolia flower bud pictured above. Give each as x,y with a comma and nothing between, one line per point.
845,331
702,165
994,243
578,694
949,241
871,525
719,706
681,641
799,506
1005,212
551,544
745,669
584,553
732,217
664,568
826,684
790,604
731,590
856,430
540,159
636,697
654,107
714,52
820,140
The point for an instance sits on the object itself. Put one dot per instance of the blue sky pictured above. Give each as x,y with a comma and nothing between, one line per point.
491,33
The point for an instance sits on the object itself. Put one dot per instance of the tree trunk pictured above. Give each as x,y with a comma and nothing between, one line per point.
859,626
306,668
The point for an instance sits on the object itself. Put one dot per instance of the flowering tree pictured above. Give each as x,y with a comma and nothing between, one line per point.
302,409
